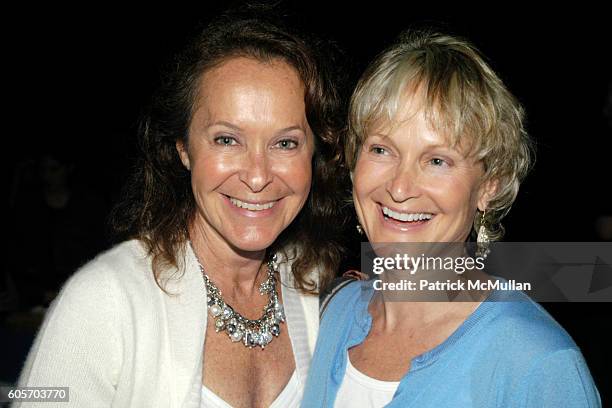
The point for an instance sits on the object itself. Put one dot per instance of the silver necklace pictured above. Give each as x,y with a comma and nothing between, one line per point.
251,333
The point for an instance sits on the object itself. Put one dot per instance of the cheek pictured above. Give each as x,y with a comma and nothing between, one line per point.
362,180
303,176
208,173
296,174
364,184
453,194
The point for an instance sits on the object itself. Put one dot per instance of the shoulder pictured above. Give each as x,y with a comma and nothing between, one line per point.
528,355
83,337
519,343
124,264
518,323
345,298
123,260
560,378
110,281
540,358
287,256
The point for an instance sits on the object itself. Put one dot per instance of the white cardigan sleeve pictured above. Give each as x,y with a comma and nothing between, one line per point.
79,344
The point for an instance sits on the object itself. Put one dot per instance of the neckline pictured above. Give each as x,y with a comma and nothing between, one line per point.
283,397
364,321
295,318
366,380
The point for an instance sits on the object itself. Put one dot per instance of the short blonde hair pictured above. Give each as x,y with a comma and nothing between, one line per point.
462,98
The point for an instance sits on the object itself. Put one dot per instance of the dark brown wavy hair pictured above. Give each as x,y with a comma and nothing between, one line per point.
158,204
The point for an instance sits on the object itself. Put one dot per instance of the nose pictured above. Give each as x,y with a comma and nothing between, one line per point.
404,184
256,172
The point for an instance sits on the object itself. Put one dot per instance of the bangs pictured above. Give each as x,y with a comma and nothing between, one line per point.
456,95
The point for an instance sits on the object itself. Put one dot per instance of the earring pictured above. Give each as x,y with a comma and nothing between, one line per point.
483,240
359,229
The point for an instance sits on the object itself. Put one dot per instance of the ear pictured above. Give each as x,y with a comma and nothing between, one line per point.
488,189
183,154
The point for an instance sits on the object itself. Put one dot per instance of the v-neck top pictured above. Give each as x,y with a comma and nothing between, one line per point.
289,397
118,340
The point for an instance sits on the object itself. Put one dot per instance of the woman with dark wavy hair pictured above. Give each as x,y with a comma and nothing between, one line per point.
211,300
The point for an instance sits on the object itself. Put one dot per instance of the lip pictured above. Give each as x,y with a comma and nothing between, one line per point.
388,222
253,214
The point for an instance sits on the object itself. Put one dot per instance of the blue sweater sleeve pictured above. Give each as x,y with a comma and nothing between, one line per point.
559,379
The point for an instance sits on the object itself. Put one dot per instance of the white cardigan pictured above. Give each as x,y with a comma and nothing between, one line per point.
117,340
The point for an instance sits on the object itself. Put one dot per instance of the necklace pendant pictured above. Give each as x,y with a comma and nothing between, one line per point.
279,312
227,312
215,310
250,340
219,325
236,336
265,339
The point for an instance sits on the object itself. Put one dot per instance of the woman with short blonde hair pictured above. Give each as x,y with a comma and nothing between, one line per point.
437,151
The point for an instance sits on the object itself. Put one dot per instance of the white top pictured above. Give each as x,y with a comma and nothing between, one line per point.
289,397
117,340
359,390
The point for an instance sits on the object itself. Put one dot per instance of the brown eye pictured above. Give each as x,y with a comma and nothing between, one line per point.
378,150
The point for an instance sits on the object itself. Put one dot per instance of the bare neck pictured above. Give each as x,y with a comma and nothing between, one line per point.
228,267
393,316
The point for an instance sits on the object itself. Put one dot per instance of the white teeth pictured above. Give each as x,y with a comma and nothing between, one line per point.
252,207
406,216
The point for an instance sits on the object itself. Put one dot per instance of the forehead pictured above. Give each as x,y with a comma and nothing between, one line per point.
249,90
250,95
413,111
250,74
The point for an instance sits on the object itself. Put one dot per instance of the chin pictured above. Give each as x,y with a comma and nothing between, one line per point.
384,235
389,239
252,246
254,242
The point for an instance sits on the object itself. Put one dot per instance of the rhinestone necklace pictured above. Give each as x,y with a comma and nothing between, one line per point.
251,333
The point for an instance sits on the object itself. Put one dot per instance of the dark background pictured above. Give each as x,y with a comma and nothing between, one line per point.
76,80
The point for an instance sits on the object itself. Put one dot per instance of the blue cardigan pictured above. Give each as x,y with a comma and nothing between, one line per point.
508,353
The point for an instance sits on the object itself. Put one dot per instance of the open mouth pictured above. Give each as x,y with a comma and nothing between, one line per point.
406,217
259,206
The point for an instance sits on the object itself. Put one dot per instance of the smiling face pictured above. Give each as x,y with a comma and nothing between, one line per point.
409,185
249,151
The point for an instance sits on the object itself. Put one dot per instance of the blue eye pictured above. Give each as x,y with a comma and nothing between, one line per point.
436,161
287,144
225,141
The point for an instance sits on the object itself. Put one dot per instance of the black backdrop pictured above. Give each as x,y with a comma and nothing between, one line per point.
80,76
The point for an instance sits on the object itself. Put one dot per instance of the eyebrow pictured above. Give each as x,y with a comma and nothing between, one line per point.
239,129
431,146
290,128
440,146
226,124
